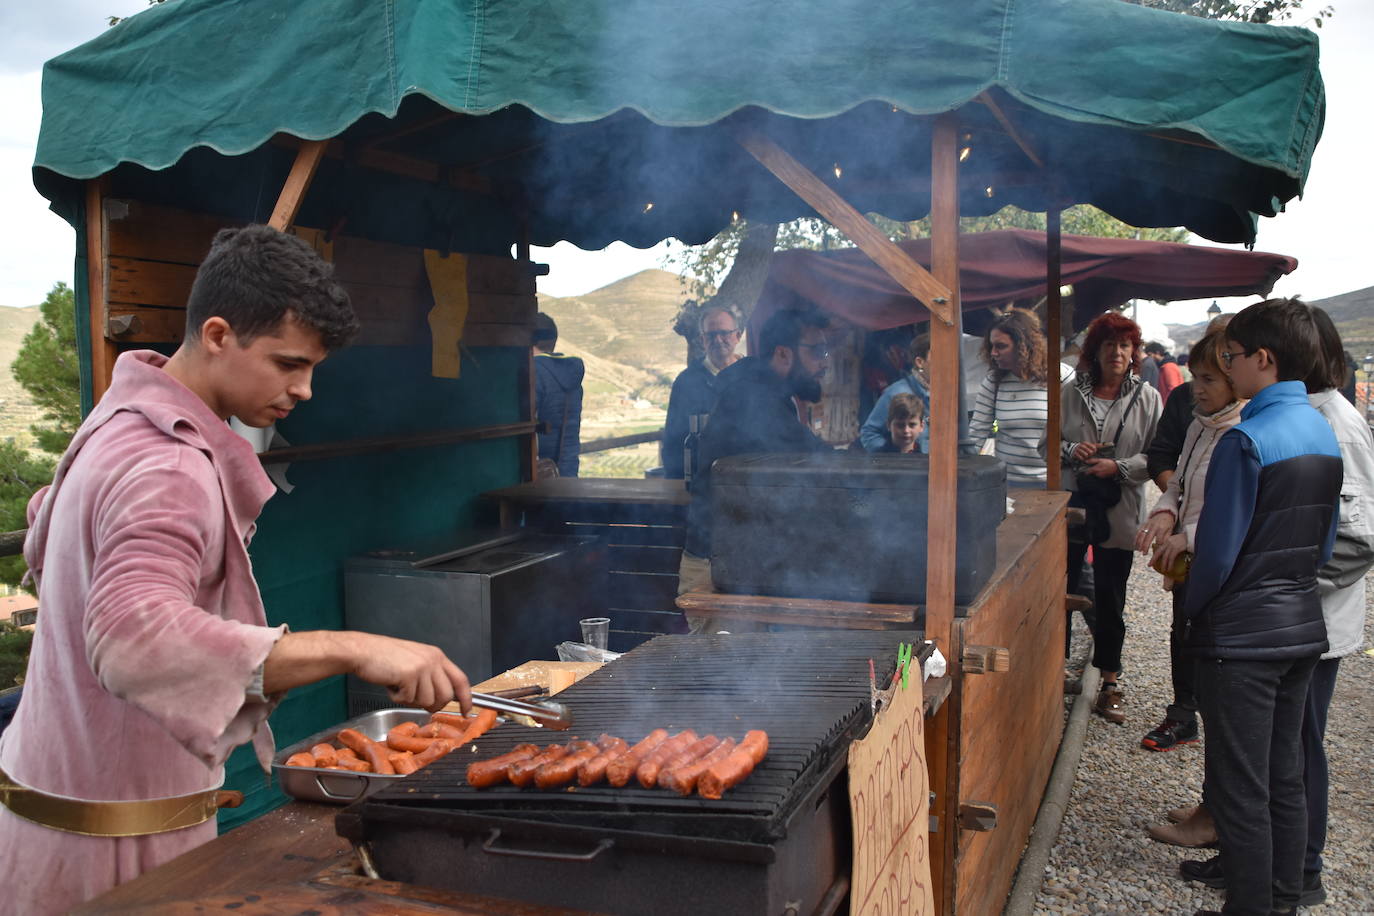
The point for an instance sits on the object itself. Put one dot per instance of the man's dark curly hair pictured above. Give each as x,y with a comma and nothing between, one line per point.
255,277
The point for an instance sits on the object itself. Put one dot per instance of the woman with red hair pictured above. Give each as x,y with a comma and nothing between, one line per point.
1108,419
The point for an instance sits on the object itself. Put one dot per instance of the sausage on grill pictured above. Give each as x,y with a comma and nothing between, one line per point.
735,768
593,771
560,772
649,767
683,779
486,773
619,770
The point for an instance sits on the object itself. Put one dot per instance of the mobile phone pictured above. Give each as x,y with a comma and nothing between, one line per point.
1105,450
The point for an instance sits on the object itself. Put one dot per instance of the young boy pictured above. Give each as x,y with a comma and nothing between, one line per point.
906,419
154,658
1253,614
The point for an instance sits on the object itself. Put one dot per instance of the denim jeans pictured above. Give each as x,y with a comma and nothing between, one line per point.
1314,778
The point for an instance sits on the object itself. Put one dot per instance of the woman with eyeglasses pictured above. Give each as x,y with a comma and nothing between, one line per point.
1108,418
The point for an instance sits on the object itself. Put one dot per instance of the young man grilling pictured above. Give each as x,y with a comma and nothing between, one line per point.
154,659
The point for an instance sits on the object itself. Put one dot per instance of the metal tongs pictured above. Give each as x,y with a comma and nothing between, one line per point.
548,714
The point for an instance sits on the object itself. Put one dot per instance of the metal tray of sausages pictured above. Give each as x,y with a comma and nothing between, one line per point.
339,787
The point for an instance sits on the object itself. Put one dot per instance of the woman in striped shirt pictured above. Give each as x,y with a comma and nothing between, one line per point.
1011,402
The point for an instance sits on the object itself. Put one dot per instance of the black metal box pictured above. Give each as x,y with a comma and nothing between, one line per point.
846,525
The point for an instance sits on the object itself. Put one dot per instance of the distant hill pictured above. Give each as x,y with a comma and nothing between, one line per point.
1352,312
17,410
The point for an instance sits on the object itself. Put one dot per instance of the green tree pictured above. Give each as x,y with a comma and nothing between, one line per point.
49,370
21,474
1271,11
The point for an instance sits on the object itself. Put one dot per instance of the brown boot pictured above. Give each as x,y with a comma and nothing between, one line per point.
1179,815
1110,703
1196,832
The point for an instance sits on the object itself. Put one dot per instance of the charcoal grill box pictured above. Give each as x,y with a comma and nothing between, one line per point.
779,842
847,526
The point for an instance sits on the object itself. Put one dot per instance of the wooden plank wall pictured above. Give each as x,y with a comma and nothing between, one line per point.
644,547
1011,722
153,253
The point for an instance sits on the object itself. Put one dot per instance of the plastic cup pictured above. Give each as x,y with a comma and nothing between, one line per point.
595,631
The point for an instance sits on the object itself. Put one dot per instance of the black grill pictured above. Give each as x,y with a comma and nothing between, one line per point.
782,826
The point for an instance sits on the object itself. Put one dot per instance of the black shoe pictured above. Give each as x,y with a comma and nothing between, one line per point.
1170,734
1312,891
1203,872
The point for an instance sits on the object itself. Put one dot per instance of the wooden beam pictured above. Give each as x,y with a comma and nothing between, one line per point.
1054,333
103,350
297,183
930,291
382,444
942,501
991,104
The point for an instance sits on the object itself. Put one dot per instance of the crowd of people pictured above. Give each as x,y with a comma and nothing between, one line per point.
1263,533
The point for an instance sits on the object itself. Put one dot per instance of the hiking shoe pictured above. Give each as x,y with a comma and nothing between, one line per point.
1196,832
1110,704
1169,734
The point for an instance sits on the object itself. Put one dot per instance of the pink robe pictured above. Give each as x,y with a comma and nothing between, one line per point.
151,632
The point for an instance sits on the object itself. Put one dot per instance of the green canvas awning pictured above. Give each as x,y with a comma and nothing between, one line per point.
578,115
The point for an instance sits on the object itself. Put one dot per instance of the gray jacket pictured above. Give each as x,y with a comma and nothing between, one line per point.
1077,425
1341,581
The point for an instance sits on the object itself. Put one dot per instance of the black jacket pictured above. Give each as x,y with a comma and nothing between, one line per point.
694,392
754,414
1167,445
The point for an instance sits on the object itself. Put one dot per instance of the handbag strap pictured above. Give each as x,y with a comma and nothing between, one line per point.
1129,404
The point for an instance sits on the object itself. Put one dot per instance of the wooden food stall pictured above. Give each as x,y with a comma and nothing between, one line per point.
423,147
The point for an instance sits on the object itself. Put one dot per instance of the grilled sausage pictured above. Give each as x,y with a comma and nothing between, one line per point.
325,755
437,748
486,773
734,769
441,730
403,762
303,759
353,764
522,772
647,771
619,770
593,771
483,722
683,779
560,772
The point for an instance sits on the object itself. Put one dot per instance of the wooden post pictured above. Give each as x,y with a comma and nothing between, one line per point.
915,279
942,494
103,350
1053,335
297,182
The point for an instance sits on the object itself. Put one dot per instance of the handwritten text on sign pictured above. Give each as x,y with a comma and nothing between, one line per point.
889,803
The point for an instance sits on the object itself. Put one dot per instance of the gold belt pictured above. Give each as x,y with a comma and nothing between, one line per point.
114,818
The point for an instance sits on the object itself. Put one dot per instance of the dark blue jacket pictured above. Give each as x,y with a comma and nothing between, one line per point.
694,392
558,394
755,414
1268,524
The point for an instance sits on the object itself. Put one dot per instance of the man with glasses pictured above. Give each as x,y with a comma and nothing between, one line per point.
756,413
695,388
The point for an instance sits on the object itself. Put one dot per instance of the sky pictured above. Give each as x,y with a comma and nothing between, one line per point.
1327,230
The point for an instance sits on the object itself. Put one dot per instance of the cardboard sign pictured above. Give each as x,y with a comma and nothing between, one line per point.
889,804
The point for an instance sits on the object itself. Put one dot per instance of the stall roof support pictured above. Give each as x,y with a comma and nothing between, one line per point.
297,183
914,278
97,264
1054,333
991,104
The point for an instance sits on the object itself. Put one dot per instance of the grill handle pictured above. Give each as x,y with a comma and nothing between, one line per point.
490,847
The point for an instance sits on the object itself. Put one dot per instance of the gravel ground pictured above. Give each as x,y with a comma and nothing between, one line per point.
1103,861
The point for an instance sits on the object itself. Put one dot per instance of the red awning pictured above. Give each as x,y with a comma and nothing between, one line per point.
999,267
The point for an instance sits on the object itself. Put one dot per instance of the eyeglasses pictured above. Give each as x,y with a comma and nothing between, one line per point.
820,351
720,335
1228,355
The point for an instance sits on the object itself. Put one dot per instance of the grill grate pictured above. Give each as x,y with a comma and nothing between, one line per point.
809,690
